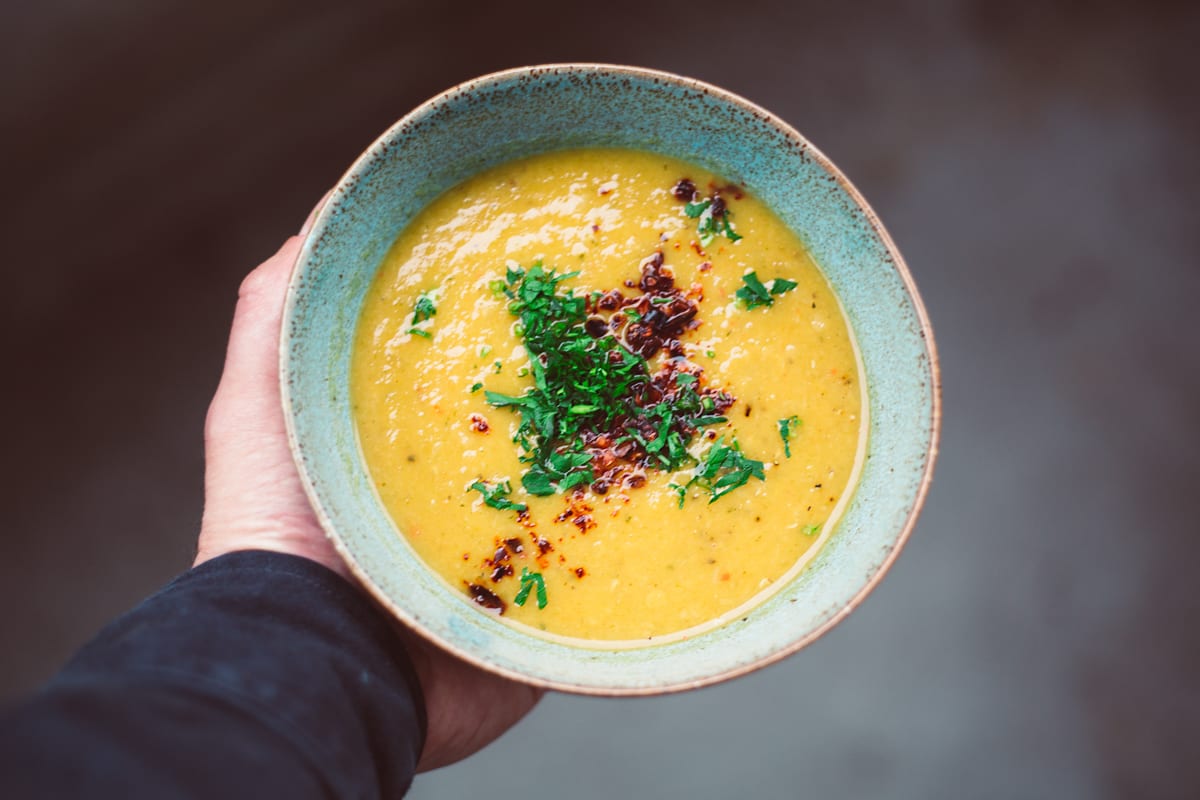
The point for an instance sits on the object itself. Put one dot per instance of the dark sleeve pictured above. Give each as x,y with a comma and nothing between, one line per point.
255,675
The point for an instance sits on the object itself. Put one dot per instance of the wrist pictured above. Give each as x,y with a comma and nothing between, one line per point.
297,535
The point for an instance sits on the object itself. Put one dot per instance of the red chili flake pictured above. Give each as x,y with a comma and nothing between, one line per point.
577,510
640,339
479,423
514,545
499,562
596,326
580,572
610,301
543,546
685,190
653,278
486,598
705,266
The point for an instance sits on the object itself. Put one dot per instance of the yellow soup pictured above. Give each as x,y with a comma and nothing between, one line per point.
710,416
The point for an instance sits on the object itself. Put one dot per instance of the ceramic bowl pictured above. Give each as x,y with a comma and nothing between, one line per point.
520,112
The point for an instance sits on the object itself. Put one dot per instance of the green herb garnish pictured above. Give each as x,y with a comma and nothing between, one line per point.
496,495
755,294
810,530
528,581
579,381
558,473
589,387
787,427
423,309
710,225
723,469
475,387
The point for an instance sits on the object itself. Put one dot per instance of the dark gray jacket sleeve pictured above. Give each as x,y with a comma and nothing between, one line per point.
255,675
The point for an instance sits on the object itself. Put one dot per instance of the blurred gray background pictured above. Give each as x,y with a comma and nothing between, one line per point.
1036,164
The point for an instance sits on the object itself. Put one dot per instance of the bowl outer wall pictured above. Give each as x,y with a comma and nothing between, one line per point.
516,113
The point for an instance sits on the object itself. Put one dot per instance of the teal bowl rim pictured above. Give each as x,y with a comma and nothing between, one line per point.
376,151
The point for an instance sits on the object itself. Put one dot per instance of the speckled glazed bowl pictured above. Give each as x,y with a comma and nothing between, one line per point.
525,111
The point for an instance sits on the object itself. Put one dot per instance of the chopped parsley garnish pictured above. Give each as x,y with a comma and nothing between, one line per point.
810,530
530,580
595,413
579,381
423,309
475,387
755,294
713,218
559,472
787,427
496,495
723,469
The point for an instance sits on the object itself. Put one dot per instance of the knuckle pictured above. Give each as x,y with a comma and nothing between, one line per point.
252,286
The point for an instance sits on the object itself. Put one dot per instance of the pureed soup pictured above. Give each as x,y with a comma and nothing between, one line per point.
607,395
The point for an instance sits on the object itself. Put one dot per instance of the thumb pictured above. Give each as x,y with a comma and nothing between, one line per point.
252,358
253,353
254,498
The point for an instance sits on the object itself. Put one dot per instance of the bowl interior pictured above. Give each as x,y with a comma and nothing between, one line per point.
522,112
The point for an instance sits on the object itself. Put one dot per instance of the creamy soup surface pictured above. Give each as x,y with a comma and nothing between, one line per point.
642,550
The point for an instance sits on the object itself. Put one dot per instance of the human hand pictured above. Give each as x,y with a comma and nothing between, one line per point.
254,500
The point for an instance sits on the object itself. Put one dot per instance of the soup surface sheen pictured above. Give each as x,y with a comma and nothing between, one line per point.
627,564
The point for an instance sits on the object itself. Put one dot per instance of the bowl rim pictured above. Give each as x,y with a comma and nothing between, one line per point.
372,152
